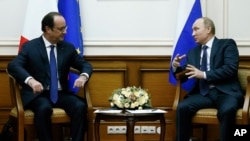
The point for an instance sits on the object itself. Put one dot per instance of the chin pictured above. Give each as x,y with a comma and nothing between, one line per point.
61,39
197,42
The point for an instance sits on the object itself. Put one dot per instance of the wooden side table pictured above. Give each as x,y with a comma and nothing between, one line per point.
131,119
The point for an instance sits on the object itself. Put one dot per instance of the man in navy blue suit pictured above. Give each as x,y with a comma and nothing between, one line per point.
32,69
221,90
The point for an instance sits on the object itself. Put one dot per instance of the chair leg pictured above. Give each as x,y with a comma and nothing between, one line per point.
90,131
18,129
65,132
25,134
204,131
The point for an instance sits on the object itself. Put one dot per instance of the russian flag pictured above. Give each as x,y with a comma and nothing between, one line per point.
36,10
189,11
70,9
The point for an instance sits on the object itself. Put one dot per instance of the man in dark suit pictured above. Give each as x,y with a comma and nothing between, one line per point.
215,86
32,69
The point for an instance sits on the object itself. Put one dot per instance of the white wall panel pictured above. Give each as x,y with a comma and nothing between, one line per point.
239,19
133,27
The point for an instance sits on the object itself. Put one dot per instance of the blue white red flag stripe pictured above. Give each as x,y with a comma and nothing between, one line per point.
36,9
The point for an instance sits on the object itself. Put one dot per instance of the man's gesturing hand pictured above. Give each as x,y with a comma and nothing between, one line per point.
194,72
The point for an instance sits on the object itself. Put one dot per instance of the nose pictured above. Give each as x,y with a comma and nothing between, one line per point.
193,33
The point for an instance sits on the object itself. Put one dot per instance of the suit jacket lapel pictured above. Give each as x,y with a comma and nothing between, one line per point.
214,51
44,56
197,58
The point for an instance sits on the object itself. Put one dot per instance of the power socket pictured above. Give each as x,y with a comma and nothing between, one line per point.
151,129
122,129
144,129
137,129
148,129
110,130
116,129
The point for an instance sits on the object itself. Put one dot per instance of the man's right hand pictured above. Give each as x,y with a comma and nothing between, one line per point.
177,60
35,85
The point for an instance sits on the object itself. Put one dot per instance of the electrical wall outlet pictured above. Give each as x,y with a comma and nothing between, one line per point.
151,129
110,130
122,129
148,129
116,129
144,129
158,130
137,129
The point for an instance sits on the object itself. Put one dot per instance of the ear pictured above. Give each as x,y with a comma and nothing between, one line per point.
209,29
48,29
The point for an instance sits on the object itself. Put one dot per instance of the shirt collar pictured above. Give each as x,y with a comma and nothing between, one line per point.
47,43
210,42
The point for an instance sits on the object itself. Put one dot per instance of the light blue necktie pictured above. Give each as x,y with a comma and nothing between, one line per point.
53,76
202,82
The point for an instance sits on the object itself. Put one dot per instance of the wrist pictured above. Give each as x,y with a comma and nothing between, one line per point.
84,76
30,82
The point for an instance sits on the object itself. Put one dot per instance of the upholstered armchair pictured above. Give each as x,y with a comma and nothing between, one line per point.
20,118
208,115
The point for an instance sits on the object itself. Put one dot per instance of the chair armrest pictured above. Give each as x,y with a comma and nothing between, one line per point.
16,98
74,71
181,74
245,109
89,102
86,92
178,77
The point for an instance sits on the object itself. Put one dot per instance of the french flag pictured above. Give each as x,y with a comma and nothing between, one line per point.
36,10
189,11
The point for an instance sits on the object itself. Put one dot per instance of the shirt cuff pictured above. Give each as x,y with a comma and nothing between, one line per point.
205,76
85,74
27,80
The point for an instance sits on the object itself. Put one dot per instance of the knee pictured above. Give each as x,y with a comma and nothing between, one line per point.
44,110
80,107
227,112
182,106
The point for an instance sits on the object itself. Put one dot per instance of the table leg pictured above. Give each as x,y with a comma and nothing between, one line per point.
163,124
130,129
97,125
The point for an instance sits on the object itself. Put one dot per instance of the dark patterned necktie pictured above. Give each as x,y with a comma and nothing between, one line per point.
53,76
203,83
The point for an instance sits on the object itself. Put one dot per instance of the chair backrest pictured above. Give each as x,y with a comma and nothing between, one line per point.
243,73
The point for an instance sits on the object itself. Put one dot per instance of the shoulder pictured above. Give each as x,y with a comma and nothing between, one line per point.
65,44
195,49
225,41
32,44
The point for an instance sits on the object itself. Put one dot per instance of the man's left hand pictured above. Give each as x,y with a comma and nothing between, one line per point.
80,81
194,72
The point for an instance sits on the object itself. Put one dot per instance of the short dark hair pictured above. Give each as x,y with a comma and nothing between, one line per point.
48,20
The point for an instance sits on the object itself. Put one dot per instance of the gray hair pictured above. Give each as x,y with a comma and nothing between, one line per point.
209,23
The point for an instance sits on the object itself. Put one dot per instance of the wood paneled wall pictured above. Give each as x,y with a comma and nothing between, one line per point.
112,72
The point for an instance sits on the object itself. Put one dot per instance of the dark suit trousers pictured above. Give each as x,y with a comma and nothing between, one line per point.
74,107
227,106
